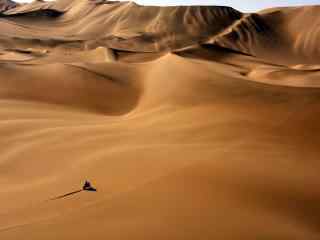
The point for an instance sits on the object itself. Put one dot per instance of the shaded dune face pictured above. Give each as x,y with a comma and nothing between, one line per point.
191,122
284,36
85,88
6,5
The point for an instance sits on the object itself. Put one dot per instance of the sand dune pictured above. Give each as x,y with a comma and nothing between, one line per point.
7,5
191,122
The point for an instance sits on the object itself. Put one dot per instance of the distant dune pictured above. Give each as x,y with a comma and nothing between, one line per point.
192,122
7,4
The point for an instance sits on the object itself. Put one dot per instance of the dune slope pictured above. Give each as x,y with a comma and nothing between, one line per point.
191,122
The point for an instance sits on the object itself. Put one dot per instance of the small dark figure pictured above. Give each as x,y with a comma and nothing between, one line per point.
87,187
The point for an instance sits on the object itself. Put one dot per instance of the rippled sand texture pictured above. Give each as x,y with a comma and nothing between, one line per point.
191,122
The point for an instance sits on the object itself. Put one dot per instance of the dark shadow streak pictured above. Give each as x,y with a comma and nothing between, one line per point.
67,195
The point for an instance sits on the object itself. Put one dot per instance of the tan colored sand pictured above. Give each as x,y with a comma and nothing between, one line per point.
192,122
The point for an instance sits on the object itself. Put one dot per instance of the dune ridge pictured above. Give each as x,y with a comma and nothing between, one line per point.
193,122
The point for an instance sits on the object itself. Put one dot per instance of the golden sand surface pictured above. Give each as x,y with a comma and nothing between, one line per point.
191,122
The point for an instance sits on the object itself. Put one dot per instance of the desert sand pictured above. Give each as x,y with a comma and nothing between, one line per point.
191,122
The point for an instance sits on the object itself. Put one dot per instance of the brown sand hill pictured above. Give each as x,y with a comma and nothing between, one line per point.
191,122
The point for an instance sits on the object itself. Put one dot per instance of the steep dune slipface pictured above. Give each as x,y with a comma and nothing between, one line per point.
191,122
282,35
